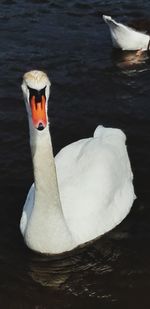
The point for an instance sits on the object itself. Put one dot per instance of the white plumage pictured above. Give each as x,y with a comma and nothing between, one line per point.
94,184
125,37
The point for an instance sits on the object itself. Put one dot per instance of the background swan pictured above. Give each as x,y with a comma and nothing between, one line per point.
88,193
126,38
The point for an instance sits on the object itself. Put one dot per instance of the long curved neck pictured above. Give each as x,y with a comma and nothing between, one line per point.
45,178
47,230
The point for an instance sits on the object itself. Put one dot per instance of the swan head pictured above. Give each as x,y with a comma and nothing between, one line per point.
36,91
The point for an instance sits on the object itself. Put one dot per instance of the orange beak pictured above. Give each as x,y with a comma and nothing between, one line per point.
38,110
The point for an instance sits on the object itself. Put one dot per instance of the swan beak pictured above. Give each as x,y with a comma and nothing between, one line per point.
38,110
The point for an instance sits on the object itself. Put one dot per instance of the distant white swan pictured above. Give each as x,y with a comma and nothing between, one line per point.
125,37
85,192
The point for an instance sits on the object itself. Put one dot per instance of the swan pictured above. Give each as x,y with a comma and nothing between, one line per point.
81,194
125,37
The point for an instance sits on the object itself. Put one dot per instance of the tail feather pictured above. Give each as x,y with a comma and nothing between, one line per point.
98,131
108,20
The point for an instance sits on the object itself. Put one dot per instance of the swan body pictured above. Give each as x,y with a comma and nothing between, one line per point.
85,192
125,37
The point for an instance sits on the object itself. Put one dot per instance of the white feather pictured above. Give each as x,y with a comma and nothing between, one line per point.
95,187
125,37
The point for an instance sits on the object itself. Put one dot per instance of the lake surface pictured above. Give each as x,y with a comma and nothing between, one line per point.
91,85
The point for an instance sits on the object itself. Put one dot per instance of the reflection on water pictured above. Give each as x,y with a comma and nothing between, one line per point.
131,59
60,271
91,85
105,271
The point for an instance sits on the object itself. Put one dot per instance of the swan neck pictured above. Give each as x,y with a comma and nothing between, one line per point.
44,169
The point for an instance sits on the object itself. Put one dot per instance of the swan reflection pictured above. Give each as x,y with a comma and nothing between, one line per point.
130,59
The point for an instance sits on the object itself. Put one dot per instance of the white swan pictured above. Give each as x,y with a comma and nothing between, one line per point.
125,37
92,191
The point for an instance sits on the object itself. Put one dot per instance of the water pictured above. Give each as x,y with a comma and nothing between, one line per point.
91,85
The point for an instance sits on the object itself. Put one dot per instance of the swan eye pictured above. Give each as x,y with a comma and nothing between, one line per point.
36,93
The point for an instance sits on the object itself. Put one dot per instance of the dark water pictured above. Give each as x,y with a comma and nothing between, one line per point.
91,85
